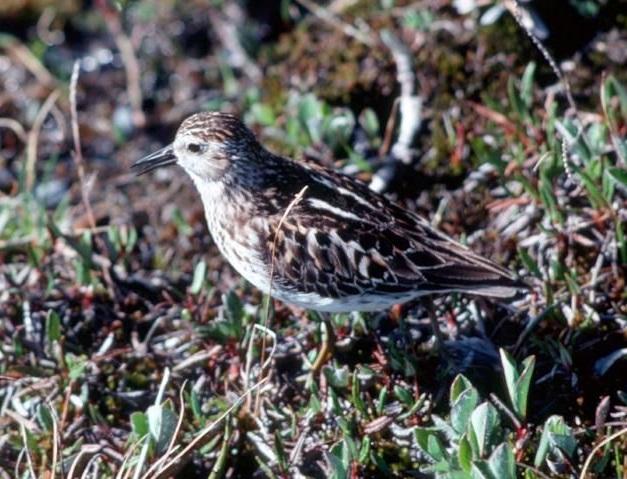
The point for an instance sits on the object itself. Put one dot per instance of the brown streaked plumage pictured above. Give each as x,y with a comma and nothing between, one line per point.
342,247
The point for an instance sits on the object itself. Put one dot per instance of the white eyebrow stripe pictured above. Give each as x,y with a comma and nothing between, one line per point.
344,191
322,205
357,198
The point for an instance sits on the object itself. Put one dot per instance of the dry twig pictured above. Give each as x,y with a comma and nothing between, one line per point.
78,160
514,7
225,24
586,465
329,17
410,103
20,53
129,60
409,107
169,469
33,137
16,127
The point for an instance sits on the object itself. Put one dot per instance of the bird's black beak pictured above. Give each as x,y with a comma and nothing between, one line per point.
163,157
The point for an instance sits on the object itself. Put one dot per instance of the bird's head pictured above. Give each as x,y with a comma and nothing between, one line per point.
206,146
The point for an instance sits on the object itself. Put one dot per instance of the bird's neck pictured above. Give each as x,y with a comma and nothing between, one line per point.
212,194
222,211
238,232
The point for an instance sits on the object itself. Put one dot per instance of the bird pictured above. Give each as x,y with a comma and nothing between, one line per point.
311,236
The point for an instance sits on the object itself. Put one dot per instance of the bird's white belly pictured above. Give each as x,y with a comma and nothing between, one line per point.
346,304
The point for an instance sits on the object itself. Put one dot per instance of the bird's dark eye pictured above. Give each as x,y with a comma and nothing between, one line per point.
193,148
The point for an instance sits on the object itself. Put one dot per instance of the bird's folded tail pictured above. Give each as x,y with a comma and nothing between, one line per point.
486,279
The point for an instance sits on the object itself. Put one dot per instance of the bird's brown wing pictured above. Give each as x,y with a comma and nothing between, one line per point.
342,239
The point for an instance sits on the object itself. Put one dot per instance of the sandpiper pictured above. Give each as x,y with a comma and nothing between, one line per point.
340,248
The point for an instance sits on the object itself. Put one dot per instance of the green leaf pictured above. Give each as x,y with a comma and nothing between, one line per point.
279,449
523,385
364,451
526,85
621,241
596,135
619,175
350,449
337,377
403,395
429,443
435,448
336,407
181,223
515,100
315,405
113,236
381,400
463,403
530,264
32,446
130,238
356,399
53,326
234,314
459,385
418,403
586,8
483,427
139,424
572,283
464,454
200,272
545,188
194,401
310,117
263,114
502,462
267,470
511,375
555,433
609,89
563,442
44,417
83,271
161,424
517,383
338,128
418,19
76,365
608,186
575,142
233,306
481,470
338,461
369,122
359,161
594,194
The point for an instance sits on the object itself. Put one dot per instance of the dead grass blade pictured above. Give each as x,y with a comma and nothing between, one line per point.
33,138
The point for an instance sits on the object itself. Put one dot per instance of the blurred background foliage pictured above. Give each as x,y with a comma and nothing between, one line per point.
124,338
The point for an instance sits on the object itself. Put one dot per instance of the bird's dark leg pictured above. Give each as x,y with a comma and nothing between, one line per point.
328,344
